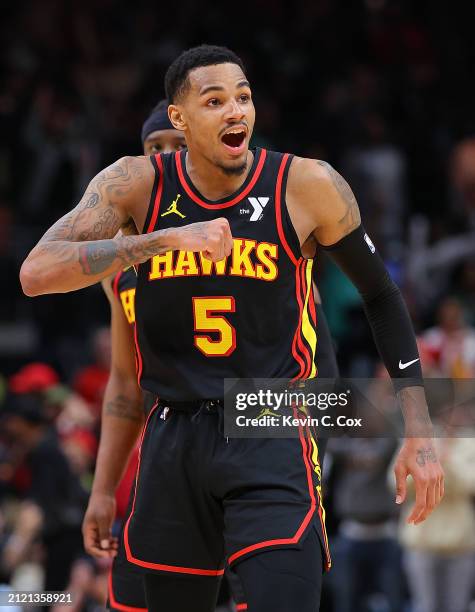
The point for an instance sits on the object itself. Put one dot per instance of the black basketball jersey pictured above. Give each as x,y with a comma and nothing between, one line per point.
250,315
124,285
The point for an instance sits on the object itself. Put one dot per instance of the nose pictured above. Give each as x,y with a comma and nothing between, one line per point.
234,111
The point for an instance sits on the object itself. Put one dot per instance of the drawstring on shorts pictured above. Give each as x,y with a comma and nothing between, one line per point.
203,407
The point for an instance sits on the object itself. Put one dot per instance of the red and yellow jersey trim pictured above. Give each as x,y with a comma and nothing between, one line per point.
314,460
158,195
304,345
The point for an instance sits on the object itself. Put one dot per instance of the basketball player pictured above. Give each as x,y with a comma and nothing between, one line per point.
224,290
117,435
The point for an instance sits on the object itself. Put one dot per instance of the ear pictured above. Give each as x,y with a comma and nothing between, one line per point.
175,115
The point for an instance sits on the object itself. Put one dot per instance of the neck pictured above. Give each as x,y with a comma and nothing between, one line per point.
210,180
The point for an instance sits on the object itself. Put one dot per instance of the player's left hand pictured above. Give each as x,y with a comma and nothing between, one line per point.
418,458
97,526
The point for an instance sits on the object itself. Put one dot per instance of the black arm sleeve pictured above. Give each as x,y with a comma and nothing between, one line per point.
385,309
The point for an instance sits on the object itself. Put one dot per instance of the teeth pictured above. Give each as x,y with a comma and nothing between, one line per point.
235,132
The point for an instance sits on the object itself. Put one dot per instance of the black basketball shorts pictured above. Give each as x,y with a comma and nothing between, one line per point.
125,584
203,501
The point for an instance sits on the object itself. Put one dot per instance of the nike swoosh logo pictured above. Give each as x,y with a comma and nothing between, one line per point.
403,366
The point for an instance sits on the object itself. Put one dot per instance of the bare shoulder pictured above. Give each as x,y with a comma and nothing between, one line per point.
127,174
309,177
324,195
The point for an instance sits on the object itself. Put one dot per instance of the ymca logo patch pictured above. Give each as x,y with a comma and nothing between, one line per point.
258,205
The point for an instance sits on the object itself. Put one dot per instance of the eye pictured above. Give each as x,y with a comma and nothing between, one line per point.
244,97
156,148
213,102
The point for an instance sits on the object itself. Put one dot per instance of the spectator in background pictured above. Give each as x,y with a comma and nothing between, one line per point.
463,287
90,382
43,475
366,553
462,174
61,158
431,265
377,169
20,548
451,342
439,556
80,448
88,587
61,407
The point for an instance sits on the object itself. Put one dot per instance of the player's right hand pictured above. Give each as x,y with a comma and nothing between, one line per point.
212,238
97,526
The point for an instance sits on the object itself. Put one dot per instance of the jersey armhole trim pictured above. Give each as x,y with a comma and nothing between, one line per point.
156,196
278,209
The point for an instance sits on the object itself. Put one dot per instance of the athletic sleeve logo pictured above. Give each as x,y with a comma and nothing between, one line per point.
403,366
258,204
368,241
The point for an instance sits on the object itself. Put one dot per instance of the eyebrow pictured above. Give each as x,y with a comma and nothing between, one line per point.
206,90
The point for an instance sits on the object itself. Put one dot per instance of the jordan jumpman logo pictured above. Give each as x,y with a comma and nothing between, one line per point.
173,208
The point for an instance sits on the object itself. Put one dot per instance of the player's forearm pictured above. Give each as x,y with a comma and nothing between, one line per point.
413,404
122,422
56,266
390,323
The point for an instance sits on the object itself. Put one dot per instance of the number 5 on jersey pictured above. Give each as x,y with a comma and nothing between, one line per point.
206,319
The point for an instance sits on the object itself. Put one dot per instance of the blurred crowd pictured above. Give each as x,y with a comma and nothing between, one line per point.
383,90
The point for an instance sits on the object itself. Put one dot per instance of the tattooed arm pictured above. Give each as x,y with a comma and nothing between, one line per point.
321,204
82,247
324,209
122,421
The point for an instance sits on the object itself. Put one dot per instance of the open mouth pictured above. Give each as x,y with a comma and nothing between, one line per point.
234,138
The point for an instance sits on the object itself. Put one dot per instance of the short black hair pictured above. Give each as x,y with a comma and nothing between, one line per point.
176,78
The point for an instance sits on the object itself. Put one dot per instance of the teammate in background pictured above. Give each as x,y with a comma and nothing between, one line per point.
225,291
123,410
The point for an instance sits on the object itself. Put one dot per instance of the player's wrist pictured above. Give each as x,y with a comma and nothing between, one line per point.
161,241
172,239
104,490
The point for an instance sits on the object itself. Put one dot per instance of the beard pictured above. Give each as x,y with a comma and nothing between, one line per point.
233,170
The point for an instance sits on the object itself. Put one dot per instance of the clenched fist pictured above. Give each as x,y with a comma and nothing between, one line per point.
212,238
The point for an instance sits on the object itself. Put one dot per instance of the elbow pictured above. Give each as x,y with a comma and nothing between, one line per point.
31,279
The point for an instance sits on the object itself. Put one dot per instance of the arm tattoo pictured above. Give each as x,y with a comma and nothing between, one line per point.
96,220
96,216
425,455
351,219
96,257
415,412
124,408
